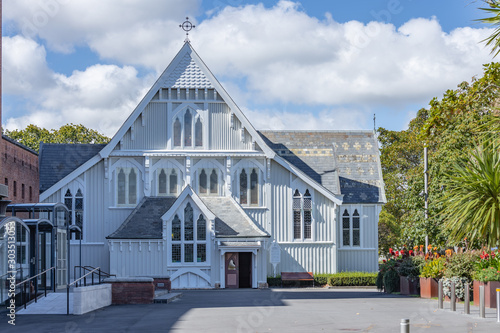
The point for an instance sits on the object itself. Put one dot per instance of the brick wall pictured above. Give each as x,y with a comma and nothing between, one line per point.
19,171
132,292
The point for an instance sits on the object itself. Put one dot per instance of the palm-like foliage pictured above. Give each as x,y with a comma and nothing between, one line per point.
472,199
494,20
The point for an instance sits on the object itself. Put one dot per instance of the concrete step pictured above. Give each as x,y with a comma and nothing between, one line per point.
166,297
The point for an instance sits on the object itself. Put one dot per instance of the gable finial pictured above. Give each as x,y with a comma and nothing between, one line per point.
187,26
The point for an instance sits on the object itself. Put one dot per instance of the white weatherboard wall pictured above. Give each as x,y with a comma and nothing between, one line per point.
365,257
90,298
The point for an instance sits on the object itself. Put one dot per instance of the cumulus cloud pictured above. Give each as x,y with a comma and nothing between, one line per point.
101,97
265,56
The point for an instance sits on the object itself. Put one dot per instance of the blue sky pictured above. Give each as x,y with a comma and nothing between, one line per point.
287,64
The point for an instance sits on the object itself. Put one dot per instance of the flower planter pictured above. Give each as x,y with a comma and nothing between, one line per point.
490,297
428,287
408,286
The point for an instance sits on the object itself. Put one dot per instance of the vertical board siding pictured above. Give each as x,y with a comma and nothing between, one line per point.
303,257
370,227
280,203
259,216
137,258
221,135
358,260
92,255
153,135
324,218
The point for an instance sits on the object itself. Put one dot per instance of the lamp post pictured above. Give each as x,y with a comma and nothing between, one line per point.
426,197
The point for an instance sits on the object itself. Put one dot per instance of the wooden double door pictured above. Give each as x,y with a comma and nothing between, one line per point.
238,270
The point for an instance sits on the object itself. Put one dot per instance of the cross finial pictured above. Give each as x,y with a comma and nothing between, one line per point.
187,26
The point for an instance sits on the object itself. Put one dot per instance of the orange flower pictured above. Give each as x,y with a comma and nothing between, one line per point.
429,247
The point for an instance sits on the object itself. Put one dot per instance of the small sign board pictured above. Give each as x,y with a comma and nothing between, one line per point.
275,254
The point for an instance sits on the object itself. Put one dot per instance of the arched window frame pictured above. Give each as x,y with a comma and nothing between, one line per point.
197,124
302,215
249,166
351,226
191,245
73,197
127,165
170,189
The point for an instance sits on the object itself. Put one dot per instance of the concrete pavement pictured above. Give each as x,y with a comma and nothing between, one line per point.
271,310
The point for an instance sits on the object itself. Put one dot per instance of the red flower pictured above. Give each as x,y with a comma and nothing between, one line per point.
410,252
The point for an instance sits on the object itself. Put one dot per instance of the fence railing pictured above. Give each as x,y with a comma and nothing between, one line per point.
35,285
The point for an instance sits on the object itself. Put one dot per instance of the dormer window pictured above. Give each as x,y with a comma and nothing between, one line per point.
188,130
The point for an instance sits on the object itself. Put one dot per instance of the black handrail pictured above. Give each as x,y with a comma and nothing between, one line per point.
36,282
90,268
92,272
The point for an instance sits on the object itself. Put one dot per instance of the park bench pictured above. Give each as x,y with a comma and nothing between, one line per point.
297,276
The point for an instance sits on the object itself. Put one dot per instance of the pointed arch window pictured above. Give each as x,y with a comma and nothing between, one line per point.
243,188
214,182
177,133
126,186
75,207
189,237
302,215
198,133
168,181
297,225
249,189
208,181
351,228
188,130
203,182
162,182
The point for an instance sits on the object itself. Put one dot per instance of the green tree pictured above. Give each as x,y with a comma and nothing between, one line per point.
32,135
450,128
494,20
471,205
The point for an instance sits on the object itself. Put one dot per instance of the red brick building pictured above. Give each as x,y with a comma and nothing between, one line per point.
19,171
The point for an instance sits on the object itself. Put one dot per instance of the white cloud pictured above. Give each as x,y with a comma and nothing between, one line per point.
101,97
277,55
23,66
65,24
327,119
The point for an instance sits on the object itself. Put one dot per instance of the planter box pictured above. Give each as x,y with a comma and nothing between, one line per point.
490,297
408,286
428,287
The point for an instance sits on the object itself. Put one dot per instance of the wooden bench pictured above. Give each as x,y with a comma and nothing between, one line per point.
296,276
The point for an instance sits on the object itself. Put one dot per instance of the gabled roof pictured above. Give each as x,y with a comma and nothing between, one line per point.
145,220
186,70
57,160
344,162
231,220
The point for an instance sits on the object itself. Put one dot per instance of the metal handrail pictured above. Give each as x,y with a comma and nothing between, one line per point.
45,286
84,282
45,271
85,276
89,268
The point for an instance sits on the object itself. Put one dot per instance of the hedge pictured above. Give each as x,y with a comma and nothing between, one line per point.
355,279
339,279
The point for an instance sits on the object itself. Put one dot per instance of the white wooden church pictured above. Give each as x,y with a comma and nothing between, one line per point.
187,188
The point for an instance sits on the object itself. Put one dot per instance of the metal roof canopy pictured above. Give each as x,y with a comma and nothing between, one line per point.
49,208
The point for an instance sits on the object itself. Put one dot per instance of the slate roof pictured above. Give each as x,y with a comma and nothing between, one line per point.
187,74
57,160
344,162
230,220
145,220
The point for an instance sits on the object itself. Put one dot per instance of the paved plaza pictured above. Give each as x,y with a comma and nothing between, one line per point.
269,310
